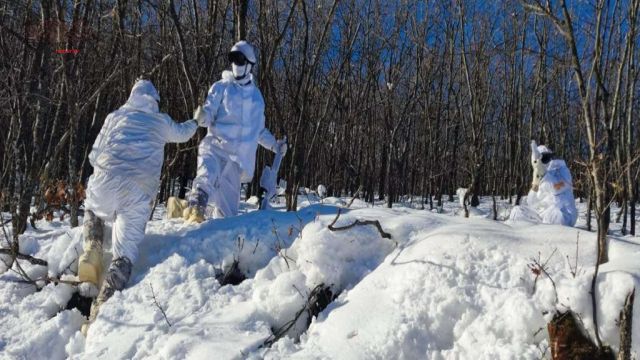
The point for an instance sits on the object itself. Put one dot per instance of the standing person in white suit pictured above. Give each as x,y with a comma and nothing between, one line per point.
127,158
234,115
550,199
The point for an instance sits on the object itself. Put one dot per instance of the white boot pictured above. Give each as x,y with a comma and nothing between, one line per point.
197,205
176,207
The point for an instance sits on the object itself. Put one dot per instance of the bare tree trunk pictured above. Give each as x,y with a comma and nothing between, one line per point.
590,209
240,18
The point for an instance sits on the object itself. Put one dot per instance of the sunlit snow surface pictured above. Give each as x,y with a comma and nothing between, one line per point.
444,287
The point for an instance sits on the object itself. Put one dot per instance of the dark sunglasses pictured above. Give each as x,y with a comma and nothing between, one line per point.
238,58
546,157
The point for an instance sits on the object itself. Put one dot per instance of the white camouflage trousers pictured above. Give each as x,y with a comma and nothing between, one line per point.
219,177
114,198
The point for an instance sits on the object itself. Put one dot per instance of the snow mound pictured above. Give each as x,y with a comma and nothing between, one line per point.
444,287
459,289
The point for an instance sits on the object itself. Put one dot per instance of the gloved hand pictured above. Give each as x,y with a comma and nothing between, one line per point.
282,146
200,116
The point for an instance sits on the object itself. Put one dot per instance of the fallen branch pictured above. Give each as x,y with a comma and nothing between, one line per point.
317,301
56,280
375,223
20,256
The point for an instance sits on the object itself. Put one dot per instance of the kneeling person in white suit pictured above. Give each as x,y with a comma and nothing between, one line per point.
550,199
127,158
234,115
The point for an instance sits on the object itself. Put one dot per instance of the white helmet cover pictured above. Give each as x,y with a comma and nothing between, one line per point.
246,49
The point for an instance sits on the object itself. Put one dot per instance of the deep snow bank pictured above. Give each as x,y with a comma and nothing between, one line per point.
461,289
451,288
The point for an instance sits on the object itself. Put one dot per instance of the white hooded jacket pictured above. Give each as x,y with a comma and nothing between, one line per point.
131,141
235,121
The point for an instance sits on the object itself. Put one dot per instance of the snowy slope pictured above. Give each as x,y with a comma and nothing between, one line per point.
461,289
444,287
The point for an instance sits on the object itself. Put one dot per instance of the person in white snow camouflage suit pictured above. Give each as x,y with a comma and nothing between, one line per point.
550,200
127,158
234,115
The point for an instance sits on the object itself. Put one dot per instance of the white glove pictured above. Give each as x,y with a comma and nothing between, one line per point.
282,146
200,116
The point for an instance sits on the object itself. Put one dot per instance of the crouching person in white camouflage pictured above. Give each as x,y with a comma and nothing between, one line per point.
550,200
127,158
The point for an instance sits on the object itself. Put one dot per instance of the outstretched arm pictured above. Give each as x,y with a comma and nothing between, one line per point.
179,132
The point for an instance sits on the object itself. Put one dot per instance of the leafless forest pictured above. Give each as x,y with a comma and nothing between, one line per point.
394,98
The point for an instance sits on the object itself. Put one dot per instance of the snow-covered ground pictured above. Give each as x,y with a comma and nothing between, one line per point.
443,287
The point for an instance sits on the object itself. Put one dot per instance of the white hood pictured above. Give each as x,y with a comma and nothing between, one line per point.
143,97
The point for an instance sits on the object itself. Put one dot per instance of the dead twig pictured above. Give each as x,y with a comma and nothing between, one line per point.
68,267
540,268
375,223
155,302
573,269
355,195
279,247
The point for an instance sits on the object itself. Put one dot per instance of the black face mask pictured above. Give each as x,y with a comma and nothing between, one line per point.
238,58
546,158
